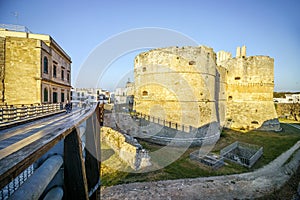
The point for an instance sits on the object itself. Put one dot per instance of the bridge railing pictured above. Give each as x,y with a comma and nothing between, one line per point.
77,161
10,113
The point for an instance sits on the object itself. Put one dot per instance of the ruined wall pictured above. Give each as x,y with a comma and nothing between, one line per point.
177,85
250,84
2,68
288,110
22,71
132,154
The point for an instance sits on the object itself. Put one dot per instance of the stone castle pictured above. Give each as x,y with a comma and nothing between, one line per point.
194,86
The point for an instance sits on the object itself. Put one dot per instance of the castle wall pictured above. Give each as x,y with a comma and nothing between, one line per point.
250,84
288,110
185,86
177,84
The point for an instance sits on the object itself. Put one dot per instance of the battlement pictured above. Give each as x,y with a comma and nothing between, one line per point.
195,86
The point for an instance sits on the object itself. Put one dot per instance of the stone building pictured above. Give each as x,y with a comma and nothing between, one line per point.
34,68
194,86
249,91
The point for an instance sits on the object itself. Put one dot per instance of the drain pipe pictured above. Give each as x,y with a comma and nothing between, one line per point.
56,193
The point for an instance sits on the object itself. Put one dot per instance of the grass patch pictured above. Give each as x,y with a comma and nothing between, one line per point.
274,143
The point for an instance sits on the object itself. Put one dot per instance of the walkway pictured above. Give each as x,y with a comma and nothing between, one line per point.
18,144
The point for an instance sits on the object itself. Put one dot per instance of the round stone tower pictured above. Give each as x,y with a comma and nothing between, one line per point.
177,86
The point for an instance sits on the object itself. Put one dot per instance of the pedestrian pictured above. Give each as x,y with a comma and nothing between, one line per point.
68,107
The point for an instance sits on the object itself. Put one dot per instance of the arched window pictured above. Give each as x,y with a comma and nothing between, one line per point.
145,93
45,65
45,95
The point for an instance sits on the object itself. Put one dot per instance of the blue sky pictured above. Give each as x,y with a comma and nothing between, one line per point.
265,27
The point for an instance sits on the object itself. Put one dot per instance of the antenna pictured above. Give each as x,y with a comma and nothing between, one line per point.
16,15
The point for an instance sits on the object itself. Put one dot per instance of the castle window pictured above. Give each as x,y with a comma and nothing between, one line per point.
45,65
237,78
230,98
145,93
54,71
45,95
192,62
144,69
254,122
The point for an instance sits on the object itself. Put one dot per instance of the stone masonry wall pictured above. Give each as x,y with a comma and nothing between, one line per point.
22,71
177,85
127,152
250,84
2,67
185,86
288,110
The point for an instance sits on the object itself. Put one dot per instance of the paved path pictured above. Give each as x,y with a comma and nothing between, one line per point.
239,186
15,138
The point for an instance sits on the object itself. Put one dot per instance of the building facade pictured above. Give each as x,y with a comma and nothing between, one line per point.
289,98
34,69
91,95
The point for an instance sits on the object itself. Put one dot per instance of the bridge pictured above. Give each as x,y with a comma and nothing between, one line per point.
50,155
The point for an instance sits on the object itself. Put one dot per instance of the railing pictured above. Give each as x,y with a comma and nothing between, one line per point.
19,112
166,123
11,187
13,27
68,149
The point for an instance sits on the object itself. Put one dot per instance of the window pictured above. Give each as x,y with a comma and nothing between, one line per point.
237,78
62,74
45,65
144,69
68,77
54,71
62,96
230,98
45,95
78,94
192,62
145,93
54,97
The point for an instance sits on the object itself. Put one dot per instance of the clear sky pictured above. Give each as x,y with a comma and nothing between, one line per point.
266,27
